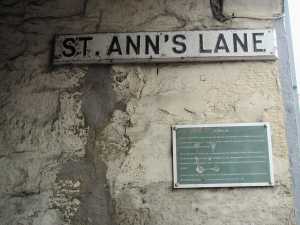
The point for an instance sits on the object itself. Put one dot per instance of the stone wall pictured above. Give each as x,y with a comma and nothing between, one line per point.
91,145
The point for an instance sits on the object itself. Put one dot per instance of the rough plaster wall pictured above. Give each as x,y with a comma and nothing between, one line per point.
141,183
256,8
92,146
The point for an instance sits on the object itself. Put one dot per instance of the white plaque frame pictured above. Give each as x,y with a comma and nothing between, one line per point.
177,185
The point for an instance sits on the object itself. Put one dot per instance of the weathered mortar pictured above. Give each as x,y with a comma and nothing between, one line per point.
91,145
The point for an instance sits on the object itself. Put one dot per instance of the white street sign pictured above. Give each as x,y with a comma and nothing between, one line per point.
212,45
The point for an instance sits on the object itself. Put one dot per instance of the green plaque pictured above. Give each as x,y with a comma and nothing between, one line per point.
222,155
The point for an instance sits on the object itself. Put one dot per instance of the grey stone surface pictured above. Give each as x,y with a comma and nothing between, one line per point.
98,99
90,145
291,103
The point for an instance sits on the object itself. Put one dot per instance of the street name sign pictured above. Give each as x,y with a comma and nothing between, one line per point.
175,46
222,155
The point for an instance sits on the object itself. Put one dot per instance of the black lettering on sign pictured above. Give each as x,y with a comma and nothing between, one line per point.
68,45
166,37
201,48
85,40
114,46
134,45
243,44
181,43
154,46
257,41
221,44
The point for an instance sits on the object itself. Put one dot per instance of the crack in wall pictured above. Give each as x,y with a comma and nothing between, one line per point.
217,10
